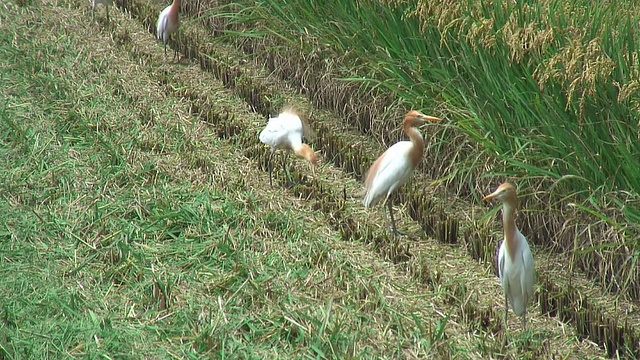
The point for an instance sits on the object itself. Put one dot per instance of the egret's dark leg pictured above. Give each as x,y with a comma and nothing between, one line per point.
175,52
271,169
287,174
393,222
524,320
108,21
506,311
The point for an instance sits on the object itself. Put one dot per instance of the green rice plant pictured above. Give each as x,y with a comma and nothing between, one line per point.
546,92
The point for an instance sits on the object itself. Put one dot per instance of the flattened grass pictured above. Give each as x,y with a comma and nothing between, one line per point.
142,235
116,244
259,93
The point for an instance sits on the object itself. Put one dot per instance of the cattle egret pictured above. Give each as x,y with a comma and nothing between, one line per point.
168,23
515,261
106,4
394,167
285,132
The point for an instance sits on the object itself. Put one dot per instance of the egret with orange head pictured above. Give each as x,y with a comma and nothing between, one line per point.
168,23
285,132
394,167
515,261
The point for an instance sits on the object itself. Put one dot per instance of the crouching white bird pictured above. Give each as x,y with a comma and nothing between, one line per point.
168,23
106,4
285,132
515,261
394,167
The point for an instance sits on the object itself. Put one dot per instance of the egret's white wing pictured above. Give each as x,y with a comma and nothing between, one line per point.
519,277
161,27
501,266
529,272
393,170
284,131
274,133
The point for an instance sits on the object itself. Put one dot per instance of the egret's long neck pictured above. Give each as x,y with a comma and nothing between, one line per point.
299,150
510,231
175,7
418,144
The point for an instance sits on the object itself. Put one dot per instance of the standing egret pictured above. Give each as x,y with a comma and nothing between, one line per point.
515,261
106,4
168,23
394,167
285,132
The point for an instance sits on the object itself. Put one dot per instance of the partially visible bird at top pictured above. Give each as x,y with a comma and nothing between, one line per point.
515,261
285,132
394,167
106,4
168,23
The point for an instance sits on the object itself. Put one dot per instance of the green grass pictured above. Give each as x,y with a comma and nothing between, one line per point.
115,246
134,227
545,93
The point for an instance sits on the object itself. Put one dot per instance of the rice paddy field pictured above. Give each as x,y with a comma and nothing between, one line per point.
137,220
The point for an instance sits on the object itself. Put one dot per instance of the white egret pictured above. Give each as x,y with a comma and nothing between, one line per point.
394,167
168,23
285,132
515,261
